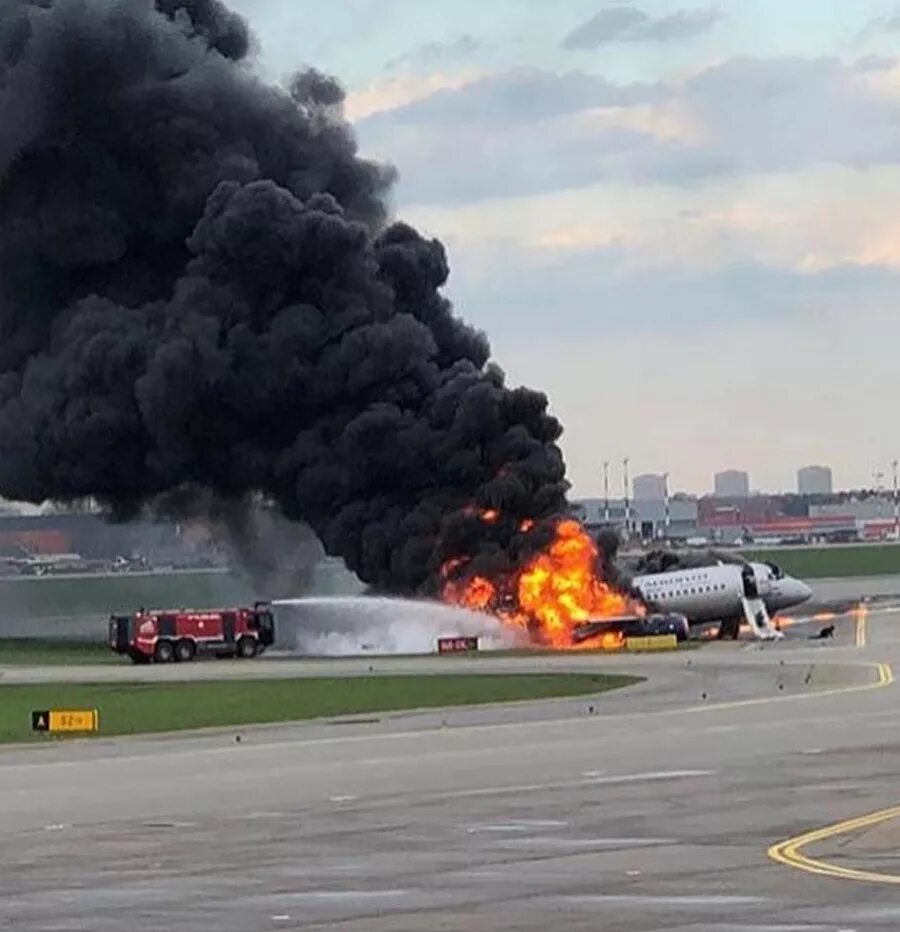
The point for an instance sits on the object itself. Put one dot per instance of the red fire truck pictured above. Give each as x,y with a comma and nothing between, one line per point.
182,634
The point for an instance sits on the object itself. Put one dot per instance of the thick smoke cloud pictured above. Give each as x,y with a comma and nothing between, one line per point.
223,30
279,557
199,289
669,561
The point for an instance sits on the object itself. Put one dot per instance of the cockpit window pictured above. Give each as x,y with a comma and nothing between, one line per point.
776,571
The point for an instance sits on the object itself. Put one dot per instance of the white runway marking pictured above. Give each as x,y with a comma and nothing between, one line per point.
518,826
665,902
544,842
571,784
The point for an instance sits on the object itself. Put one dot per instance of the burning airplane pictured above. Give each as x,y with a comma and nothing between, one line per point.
205,303
552,595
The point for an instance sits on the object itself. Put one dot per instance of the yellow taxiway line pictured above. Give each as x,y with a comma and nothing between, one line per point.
790,852
861,616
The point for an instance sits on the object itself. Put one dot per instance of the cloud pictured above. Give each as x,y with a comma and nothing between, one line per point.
516,97
535,295
684,24
881,24
628,24
607,26
875,63
398,92
774,114
732,353
430,54
529,131
828,217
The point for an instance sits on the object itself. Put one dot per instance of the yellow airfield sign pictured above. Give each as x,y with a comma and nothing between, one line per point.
65,720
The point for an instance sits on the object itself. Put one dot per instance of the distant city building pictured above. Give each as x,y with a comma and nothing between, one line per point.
649,488
732,483
814,480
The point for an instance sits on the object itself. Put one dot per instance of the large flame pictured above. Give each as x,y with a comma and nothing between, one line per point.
562,587
556,590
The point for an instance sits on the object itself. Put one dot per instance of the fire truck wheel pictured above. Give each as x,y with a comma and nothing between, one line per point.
246,647
164,653
185,650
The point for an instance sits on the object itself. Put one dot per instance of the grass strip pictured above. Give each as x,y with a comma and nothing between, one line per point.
142,708
832,561
51,652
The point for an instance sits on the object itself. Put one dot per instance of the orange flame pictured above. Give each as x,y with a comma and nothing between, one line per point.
613,640
477,594
450,567
558,589
561,587
488,515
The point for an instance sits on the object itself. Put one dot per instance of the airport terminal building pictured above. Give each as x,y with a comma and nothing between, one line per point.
761,519
649,519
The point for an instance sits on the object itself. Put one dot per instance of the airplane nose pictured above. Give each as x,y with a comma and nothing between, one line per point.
804,592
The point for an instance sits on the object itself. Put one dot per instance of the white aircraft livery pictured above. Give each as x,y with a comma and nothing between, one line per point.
725,592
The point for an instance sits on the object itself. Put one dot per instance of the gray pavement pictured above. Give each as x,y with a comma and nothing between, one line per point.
650,808
844,587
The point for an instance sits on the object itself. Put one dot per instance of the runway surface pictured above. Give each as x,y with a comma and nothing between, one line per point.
650,808
855,587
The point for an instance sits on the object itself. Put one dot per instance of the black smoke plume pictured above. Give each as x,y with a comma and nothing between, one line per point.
199,288
279,557
669,561
608,542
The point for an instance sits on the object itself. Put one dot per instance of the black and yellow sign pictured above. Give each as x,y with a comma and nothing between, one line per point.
65,720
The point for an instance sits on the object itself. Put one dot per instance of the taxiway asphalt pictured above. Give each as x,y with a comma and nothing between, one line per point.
650,808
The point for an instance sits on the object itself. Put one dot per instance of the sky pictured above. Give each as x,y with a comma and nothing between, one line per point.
678,220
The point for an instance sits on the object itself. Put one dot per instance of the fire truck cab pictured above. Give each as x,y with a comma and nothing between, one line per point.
181,634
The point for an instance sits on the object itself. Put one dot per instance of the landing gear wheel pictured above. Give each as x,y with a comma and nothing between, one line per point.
185,651
730,629
164,653
246,648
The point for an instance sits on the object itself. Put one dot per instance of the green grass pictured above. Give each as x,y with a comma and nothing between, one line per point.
141,708
841,561
49,597
41,652
48,602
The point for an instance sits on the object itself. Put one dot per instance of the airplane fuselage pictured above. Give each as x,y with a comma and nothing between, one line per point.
714,593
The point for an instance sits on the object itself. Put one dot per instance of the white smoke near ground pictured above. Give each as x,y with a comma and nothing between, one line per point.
340,626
